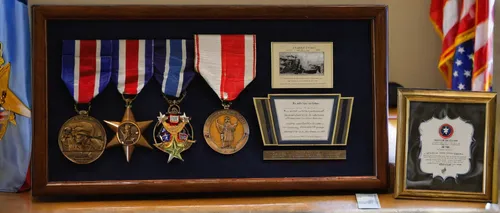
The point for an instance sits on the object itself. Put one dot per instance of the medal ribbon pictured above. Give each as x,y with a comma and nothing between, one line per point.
86,67
226,62
132,65
173,61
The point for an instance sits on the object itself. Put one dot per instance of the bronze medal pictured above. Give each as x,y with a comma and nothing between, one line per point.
82,139
226,131
128,132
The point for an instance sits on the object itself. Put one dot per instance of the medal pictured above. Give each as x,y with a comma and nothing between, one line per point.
173,134
132,69
227,63
86,70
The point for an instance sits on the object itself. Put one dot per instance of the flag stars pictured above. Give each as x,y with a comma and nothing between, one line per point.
461,86
462,73
467,73
461,50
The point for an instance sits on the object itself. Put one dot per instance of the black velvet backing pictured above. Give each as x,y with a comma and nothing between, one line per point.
352,78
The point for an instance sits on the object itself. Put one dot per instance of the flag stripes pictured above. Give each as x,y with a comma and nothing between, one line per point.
483,46
464,25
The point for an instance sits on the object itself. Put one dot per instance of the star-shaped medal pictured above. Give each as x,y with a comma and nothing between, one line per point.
174,151
128,133
12,102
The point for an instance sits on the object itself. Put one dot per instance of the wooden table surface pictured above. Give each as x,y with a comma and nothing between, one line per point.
24,203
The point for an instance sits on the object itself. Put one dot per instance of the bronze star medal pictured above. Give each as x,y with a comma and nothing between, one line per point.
128,133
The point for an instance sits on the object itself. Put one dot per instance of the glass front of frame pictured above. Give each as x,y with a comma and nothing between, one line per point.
446,146
162,152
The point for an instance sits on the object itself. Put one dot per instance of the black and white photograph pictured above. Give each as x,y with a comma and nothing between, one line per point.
302,63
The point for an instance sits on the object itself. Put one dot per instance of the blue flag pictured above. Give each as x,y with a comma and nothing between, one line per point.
15,95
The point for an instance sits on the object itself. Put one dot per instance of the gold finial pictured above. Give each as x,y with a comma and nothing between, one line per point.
1,55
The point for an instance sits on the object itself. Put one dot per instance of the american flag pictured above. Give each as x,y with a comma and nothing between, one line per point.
466,29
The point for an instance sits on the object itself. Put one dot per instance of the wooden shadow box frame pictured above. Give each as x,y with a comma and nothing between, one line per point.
377,15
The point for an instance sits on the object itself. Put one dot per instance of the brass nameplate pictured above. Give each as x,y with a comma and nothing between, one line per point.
304,154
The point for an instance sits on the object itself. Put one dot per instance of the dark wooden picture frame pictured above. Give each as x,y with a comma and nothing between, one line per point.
41,14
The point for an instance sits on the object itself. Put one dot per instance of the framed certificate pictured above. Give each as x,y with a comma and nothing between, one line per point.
304,126
446,145
304,119
302,64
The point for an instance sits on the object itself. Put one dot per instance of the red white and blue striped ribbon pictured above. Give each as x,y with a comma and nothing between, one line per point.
86,67
132,65
174,65
226,62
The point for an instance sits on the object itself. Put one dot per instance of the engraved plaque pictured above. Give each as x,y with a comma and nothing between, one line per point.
304,154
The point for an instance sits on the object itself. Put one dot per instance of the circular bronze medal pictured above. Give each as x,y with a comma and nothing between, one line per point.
226,131
82,139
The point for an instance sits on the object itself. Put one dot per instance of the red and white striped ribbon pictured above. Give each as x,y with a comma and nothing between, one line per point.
226,62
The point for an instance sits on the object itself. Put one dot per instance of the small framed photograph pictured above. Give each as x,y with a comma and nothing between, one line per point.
302,65
446,147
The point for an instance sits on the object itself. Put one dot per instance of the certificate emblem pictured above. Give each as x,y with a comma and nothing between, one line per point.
82,139
446,131
226,131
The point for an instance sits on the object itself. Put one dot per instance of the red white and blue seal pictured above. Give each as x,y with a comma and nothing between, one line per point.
446,131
